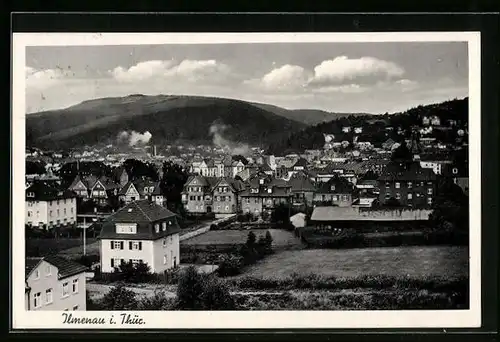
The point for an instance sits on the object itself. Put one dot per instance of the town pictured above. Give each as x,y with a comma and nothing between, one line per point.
100,215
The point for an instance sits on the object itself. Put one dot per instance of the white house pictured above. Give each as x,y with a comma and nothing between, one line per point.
47,207
54,283
142,231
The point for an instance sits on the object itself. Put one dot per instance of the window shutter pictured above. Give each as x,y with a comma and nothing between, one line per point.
130,245
121,244
140,245
112,262
112,246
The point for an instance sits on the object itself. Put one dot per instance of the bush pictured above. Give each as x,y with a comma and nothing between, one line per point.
156,303
134,273
216,294
87,260
197,291
119,298
230,265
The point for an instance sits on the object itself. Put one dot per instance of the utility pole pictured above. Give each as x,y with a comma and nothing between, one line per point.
84,237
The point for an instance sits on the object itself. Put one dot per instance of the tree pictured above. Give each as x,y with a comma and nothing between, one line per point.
392,203
402,153
251,238
281,214
119,298
172,185
269,241
135,273
189,289
370,175
239,157
158,302
137,169
216,294
35,167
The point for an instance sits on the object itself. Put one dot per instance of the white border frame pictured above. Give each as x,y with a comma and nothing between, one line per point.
250,319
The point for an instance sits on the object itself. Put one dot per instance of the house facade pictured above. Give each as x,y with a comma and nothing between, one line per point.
140,232
47,207
264,194
141,189
302,189
54,283
197,194
408,183
226,197
337,192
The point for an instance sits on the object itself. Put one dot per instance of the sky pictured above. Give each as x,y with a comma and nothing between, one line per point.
337,77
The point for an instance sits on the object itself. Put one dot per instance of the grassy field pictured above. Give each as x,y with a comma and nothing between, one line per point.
42,247
281,238
401,261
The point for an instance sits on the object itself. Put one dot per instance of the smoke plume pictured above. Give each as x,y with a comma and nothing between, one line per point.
134,138
235,148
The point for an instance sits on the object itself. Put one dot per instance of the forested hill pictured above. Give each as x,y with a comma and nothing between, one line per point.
376,128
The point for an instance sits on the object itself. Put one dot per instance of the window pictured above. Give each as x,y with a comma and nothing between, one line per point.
116,262
410,185
398,185
410,196
116,244
30,213
227,207
75,286
164,226
387,195
335,198
429,200
169,223
429,191
65,289
136,261
36,274
157,227
48,270
75,307
30,194
455,171
48,296
164,242
37,214
50,213
37,299
332,188
398,195
164,259
135,245
72,210
387,185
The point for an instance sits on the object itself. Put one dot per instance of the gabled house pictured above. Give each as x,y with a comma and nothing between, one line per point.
140,232
197,194
225,194
103,190
337,192
81,185
264,193
47,207
408,183
54,283
141,189
302,189
208,168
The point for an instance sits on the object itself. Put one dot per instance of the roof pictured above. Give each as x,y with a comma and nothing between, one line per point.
301,162
301,182
276,192
65,267
44,192
234,184
118,172
328,214
342,186
411,171
145,214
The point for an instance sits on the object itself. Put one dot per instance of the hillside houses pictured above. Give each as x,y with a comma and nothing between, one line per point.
98,189
141,189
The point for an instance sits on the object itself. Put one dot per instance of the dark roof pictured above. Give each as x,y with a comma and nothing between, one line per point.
301,182
43,192
118,172
410,171
342,186
145,214
301,162
276,192
65,267
265,167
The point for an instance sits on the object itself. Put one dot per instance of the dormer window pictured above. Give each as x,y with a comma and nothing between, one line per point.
157,227
332,188
146,190
126,228
455,170
270,190
151,189
164,226
261,181
30,194
254,191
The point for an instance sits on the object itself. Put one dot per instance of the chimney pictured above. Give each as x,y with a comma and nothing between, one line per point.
154,150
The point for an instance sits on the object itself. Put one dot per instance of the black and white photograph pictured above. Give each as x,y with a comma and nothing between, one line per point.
246,180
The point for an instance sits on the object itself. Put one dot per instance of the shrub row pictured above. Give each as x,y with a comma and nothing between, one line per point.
379,282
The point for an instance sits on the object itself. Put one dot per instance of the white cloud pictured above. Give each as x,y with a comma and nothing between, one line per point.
186,70
348,88
364,70
285,78
39,79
